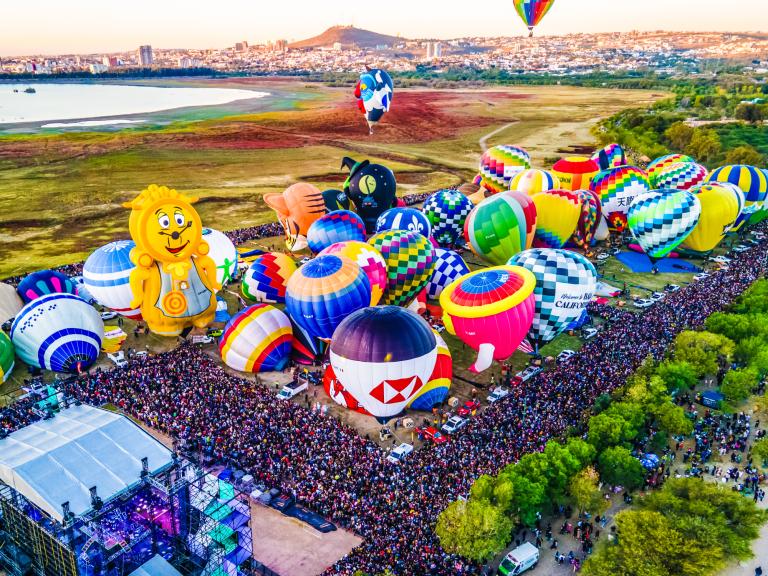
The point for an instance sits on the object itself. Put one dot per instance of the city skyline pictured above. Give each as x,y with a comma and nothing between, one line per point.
85,27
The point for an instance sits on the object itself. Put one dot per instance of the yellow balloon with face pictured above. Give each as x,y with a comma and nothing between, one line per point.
174,281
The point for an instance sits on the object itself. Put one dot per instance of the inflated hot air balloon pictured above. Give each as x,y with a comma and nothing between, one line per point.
490,310
106,275
45,282
436,390
658,164
720,209
369,259
7,357
404,219
374,93
335,200
533,181
297,208
565,284
336,392
383,356
501,226
224,254
752,181
612,156
532,11
10,302
257,339
679,176
558,213
575,172
338,226
589,220
449,266
324,291
617,187
661,220
305,349
410,259
602,230
498,165
267,277
372,187
447,210
58,332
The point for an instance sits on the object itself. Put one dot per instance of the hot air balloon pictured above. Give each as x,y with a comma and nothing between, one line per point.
45,282
297,208
745,212
267,277
404,219
324,291
661,220
575,172
658,164
336,392
565,284
7,357
372,187
589,220
532,11
106,275
752,181
533,180
436,390
383,357
501,226
490,310
558,213
335,200
447,210
498,165
410,259
720,209
224,254
612,156
10,302
58,332
617,187
369,259
257,339
449,266
602,230
338,226
679,176
374,92
82,289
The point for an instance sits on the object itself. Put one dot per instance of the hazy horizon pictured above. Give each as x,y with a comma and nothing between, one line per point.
84,27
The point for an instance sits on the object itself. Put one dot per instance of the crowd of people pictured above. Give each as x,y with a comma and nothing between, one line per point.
330,468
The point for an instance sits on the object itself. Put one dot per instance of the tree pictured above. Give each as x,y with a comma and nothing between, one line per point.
672,419
738,384
704,145
744,155
605,431
702,350
733,326
679,135
677,375
618,467
760,450
751,113
473,529
584,492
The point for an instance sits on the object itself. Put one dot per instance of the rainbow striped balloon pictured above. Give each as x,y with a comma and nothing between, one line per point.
435,391
369,259
532,12
658,164
558,213
498,165
267,277
680,176
258,339
532,181
617,188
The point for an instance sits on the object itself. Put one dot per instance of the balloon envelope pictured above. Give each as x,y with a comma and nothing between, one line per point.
612,156
658,164
680,176
501,226
533,180
7,356
374,91
661,220
404,219
720,209
45,282
106,274
436,390
267,277
257,339
297,208
498,165
447,210
575,172
752,181
369,259
557,214
617,187
589,219
410,259
223,253
449,266
532,12
372,187
338,226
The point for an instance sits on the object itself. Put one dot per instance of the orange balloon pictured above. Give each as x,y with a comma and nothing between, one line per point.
297,208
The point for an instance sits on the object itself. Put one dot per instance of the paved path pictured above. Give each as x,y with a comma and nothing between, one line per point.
483,142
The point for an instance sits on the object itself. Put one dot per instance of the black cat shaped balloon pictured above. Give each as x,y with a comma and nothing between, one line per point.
371,187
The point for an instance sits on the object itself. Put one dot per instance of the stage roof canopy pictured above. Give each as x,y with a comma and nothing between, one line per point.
156,566
58,460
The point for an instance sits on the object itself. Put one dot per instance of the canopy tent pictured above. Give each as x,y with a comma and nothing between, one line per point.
10,302
156,566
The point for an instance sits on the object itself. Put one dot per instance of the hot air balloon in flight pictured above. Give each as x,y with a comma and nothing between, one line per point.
658,164
447,210
449,266
752,181
224,254
106,275
617,187
297,208
557,214
661,220
337,226
369,259
383,356
372,188
45,282
533,181
374,92
404,219
498,165
720,209
679,176
565,284
58,332
324,291
490,310
575,172
267,277
257,339
501,226
589,220
612,156
532,11
410,259
7,357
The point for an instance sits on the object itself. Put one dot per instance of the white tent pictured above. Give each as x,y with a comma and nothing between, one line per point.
58,460
156,566
10,302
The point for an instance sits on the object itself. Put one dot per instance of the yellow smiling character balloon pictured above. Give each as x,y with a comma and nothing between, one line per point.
174,281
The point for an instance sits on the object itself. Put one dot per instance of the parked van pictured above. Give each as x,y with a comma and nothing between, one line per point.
521,559
292,389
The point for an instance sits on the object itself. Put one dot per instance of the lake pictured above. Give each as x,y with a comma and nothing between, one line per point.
59,101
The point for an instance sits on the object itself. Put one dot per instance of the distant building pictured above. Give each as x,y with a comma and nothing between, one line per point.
187,62
434,50
337,46
241,46
98,68
110,61
144,55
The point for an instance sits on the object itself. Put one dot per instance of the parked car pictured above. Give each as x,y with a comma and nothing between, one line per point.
588,333
656,296
454,424
215,332
431,434
292,389
498,393
400,453
519,560
118,358
602,257
108,315
642,303
719,259
740,248
564,356
469,408
701,276
528,373
671,288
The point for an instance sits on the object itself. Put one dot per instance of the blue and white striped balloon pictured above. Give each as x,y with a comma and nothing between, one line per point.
58,332
404,219
661,220
106,275
449,266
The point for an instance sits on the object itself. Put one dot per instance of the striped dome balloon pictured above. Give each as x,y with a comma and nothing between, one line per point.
58,332
447,210
680,176
499,164
658,164
436,390
612,156
107,274
45,282
338,226
533,180
410,259
752,181
661,220
617,187
267,277
369,259
501,226
257,339
575,172
449,266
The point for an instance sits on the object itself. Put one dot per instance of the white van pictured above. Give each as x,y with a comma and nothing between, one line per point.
522,558
292,389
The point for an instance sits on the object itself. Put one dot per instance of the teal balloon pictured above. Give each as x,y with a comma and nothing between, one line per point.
661,220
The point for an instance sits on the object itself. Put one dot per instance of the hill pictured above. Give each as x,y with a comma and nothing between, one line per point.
347,36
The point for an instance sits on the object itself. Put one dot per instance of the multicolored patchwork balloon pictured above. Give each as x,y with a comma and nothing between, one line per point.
404,219
661,220
337,226
410,259
720,209
257,339
501,226
558,214
575,172
267,277
565,284
498,165
679,176
612,156
589,219
449,266
658,164
447,210
369,259
533,181
617,187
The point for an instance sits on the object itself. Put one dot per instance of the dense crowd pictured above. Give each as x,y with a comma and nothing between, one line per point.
331,469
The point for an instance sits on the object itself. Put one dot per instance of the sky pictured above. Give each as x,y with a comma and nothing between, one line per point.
89,26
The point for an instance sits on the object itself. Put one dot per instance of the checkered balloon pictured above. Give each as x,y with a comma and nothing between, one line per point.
449,266
410,259
565,284
661,220
447,210
680,176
